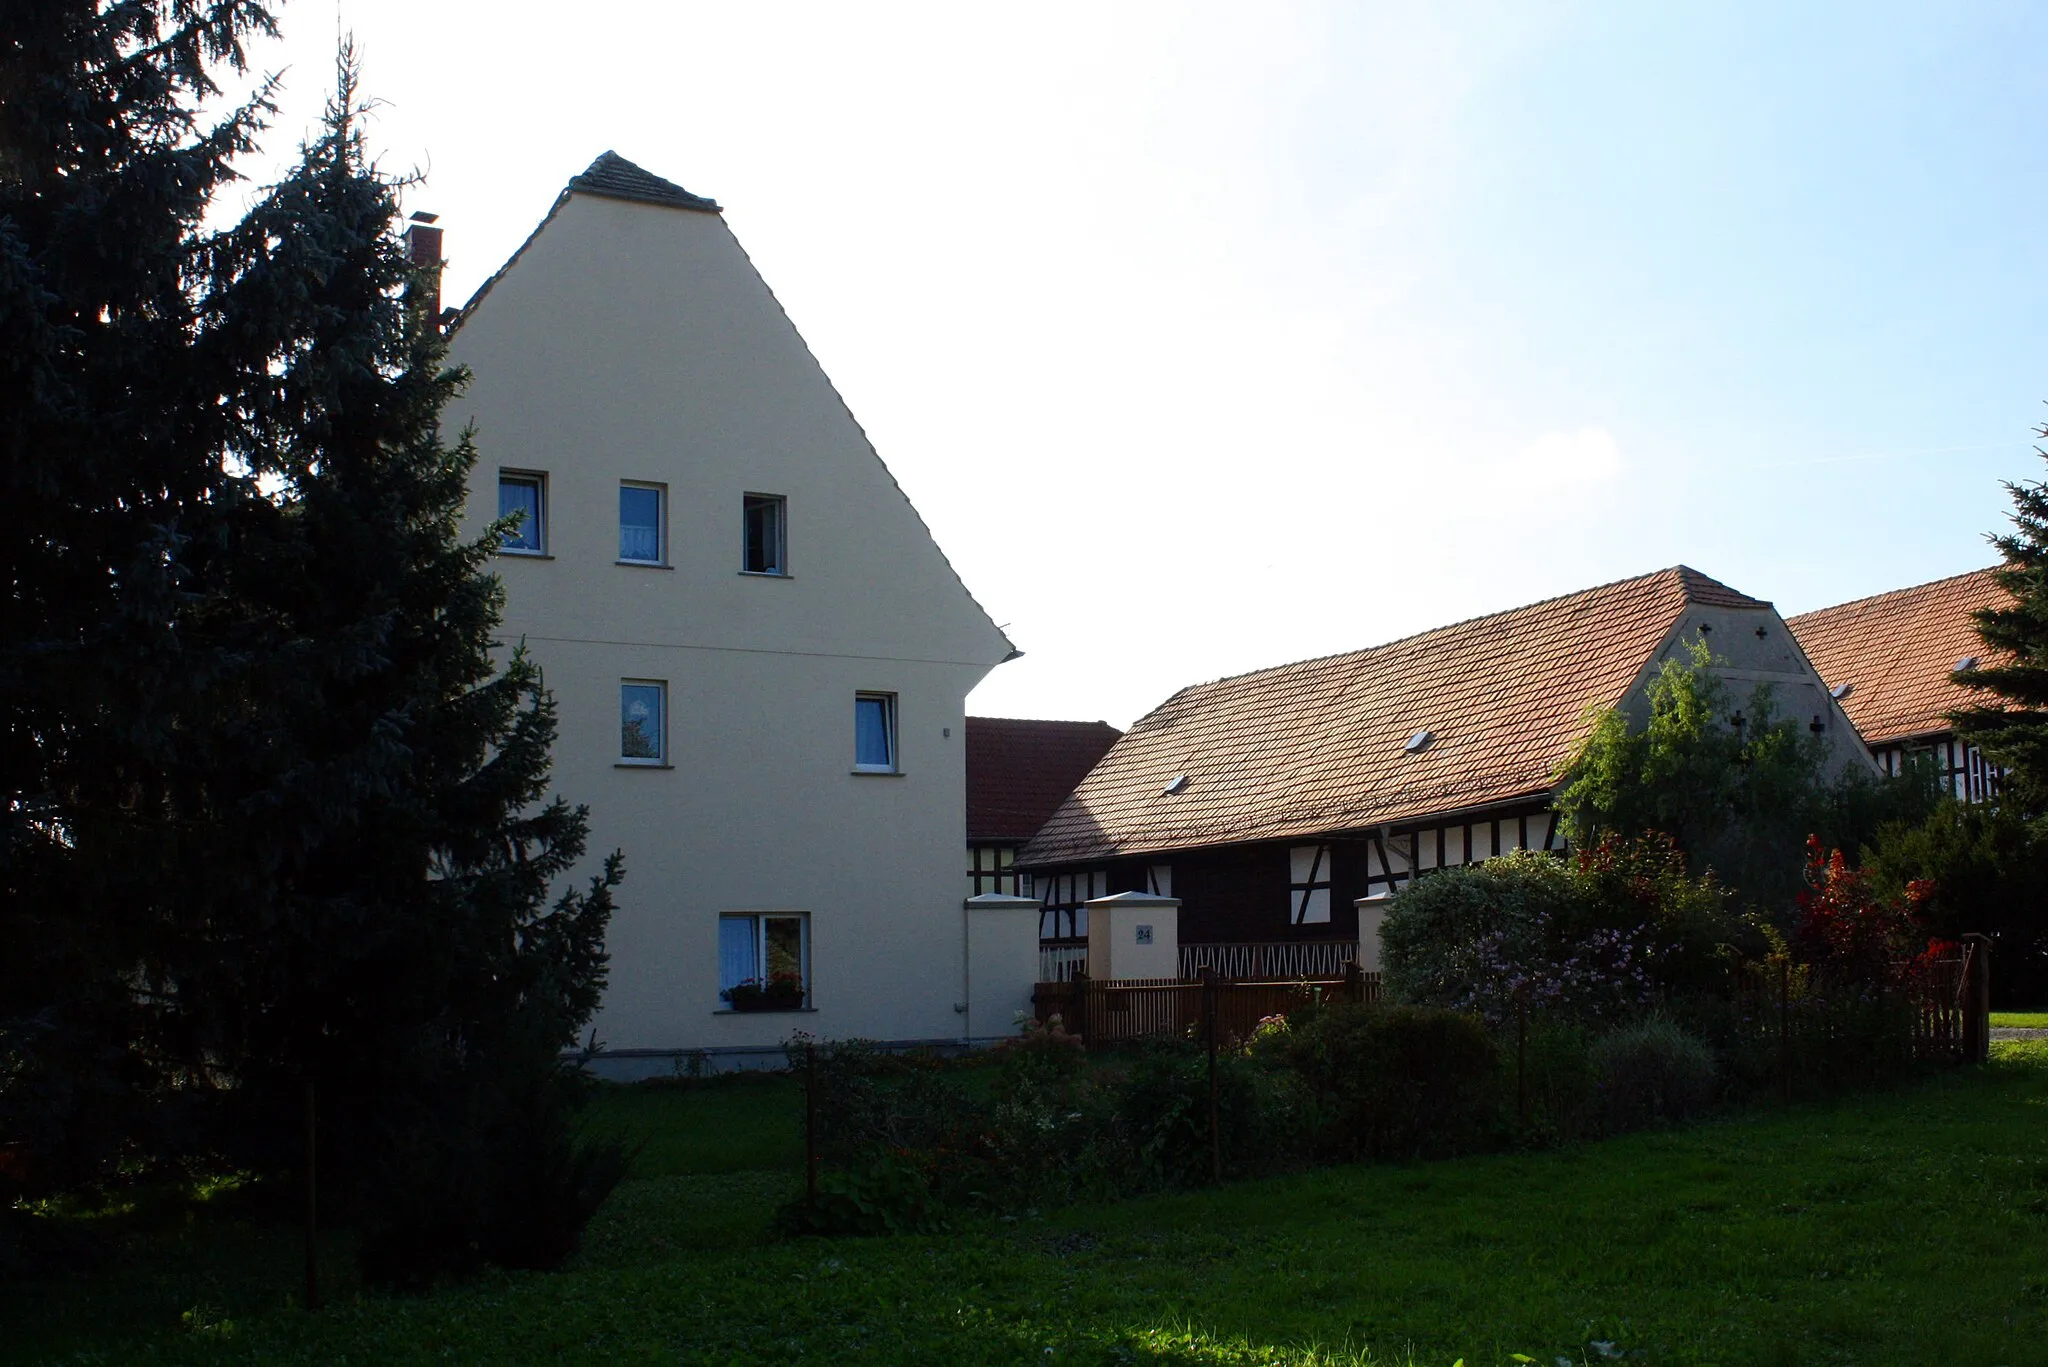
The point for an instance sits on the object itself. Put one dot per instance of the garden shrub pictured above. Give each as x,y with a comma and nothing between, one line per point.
1557,1082
1160,1098
1652,1073
888,1195
1601,935
507,1180
1395,1081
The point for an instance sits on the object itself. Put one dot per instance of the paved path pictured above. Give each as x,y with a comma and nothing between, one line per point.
2016,1032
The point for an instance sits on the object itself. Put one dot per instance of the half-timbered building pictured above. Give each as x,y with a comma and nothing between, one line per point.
1271,803
1019,770
1890,660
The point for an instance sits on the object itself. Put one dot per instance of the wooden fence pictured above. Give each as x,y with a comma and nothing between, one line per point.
1948,1000
1111,1010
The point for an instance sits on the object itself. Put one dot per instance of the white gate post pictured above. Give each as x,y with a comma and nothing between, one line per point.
1134,935
1002,963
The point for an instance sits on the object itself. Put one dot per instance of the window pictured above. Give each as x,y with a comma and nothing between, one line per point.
764,962
763,553
524,496
640,524
874,733
643,717
1308,879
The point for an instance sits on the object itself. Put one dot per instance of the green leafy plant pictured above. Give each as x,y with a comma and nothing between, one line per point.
1652,1072
1396,1081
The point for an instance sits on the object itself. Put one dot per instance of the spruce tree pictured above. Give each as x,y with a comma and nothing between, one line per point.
119,512
393,942
2011,725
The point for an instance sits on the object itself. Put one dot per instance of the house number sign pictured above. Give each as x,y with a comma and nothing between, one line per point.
1144,935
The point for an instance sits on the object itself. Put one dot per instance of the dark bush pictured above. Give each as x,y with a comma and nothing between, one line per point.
1652,1073
1556,1085
887,1195
1395,1081
1160,1099
510,1182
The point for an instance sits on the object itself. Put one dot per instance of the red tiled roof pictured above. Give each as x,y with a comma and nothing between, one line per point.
1318,746
1896,651
1018,771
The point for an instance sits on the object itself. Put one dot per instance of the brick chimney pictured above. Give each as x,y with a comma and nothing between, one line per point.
423,244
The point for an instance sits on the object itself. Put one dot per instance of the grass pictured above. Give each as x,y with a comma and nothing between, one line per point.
1907,1227
2019,1020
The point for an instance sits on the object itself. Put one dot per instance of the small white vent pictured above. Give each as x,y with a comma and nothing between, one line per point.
1177,784
1841,691
1419,742
1967,663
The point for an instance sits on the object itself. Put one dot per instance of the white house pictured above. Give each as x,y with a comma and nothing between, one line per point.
761,656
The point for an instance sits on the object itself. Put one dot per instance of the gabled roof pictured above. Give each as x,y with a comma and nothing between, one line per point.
1019,771
1322,745
612,175
1896,651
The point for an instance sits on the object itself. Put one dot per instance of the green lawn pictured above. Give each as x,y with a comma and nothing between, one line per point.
2020,1020
1910,1227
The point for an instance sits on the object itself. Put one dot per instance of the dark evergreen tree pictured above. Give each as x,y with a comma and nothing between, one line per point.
276,806
119,511
392,940
2011,725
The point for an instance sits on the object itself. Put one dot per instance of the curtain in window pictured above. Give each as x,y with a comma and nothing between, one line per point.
640,721
639,524
737,958
521,496
871,733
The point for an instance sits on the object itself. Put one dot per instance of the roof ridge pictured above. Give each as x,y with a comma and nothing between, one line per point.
613,176
1048,721
1678,571
1893,593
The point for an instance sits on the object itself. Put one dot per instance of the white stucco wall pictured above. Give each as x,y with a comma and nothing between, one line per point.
1753,646
635,342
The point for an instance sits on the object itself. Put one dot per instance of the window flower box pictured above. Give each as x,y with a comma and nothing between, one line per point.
780,993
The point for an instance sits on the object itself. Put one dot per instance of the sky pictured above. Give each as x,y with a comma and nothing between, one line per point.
1207,337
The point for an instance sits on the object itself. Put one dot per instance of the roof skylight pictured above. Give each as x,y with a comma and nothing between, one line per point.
1177,784
1419,742
1841,691
1968,662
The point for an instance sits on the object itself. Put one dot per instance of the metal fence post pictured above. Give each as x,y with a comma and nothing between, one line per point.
312,1209
1522,1060
1209,1033
1784,1030
811,1129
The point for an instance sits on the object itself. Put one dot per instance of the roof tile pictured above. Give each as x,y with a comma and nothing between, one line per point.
612,175
1896,651
1019,771
1319,745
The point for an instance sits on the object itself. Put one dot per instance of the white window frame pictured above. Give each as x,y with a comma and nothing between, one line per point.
760,920
539,480
660,492
889,731
778,567
660,759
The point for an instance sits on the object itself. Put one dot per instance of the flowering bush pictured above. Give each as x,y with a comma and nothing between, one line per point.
1849,934
1601,937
